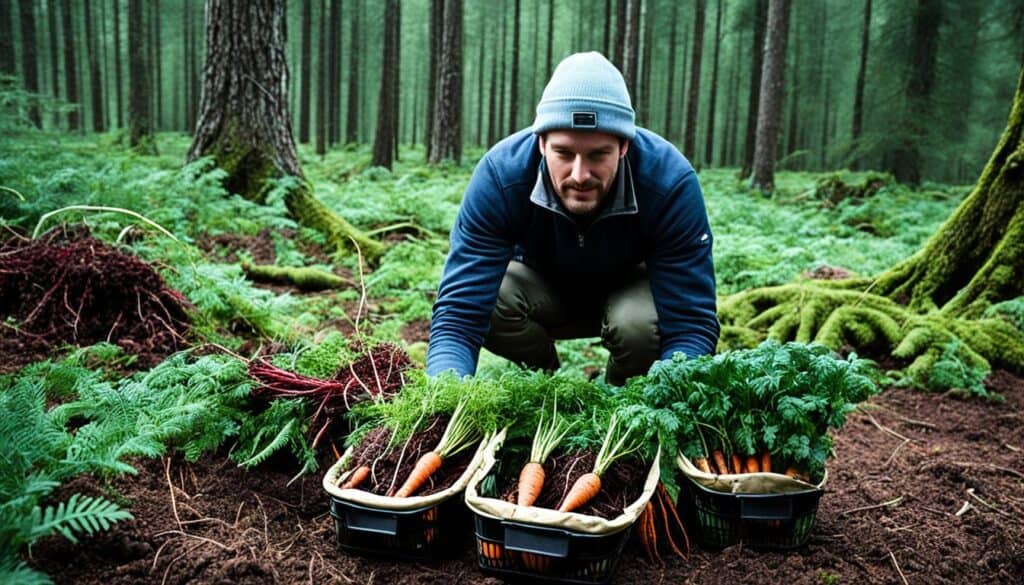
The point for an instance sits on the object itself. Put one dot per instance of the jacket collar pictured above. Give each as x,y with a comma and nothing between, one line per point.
623,195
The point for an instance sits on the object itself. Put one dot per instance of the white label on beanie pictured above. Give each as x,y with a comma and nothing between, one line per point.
584,119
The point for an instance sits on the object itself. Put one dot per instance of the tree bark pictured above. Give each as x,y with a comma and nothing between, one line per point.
513,94
551,41
607,30
975,258
480,140
690,138
862,71
355,47
904,159
447,138
117,63
29,66
621,8
727,154
670,89
321,84
140,121
772,85
95,81
244,123
709,139
157,64
630,45
51,17
754,97
492,102
8,66
333,82
435,32
387,123
70,63
305,70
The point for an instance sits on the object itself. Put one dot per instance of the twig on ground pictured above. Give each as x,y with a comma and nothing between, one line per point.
892,502
963,509
170,487
970,492
193,536
883,428
1013,472
894,452
171,564
898,570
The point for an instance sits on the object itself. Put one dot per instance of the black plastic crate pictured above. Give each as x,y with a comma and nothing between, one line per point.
528,551
761,521
419,534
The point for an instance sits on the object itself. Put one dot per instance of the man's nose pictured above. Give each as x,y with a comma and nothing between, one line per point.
580,171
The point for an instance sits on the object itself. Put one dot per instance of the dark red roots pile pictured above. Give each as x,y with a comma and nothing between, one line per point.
67,287
376,374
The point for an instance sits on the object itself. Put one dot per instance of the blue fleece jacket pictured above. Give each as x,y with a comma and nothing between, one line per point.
656,216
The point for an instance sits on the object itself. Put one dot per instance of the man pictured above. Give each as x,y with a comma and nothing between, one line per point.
580,226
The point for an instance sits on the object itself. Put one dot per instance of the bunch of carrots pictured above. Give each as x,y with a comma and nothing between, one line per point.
460,434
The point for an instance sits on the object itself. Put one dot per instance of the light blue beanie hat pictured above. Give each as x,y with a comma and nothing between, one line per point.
586,92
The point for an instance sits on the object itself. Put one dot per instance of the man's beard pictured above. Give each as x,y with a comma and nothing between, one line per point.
581,206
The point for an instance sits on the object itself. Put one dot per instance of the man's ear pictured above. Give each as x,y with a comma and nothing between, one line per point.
540,144
625,148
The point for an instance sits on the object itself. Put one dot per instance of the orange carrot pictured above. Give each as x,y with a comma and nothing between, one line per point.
702,464
535,562
752,465
737,463
357,477
719,458
584,490
795,474
766,461
531,480
425,467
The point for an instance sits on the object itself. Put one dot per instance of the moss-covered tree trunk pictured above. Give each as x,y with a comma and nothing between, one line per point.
977,257
921,306
244,123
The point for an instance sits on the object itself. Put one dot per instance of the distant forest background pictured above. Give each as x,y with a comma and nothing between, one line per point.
919,88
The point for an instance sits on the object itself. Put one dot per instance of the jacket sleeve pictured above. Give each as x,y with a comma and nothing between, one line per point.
682,273
481,247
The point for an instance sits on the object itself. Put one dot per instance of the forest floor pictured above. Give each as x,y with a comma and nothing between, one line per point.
923,488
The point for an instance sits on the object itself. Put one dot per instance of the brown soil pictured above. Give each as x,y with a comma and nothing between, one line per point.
417,330
923,451
225,247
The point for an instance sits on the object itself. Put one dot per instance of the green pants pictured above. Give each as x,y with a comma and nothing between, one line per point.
530,314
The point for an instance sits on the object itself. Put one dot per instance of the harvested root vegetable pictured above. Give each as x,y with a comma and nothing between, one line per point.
375,375
461,433
545,439
615,446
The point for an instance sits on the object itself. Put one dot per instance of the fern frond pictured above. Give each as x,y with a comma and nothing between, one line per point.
79,514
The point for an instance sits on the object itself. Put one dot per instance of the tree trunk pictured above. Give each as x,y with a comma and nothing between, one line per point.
904,159
387,122
772,86
321,83
502,79
95,81
29,67
492,102
607,31
243,121
305,70
620,33
186,26
333,97
754,98
140,121
396,78
513,94
862,71
728,141
551,41
70,63
352,113
447,138
480,140
630,45
825,78
646,102
51,18
435,32
690,139
8,66
794,90
975,258
158,82
670,89
117,63
709,142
